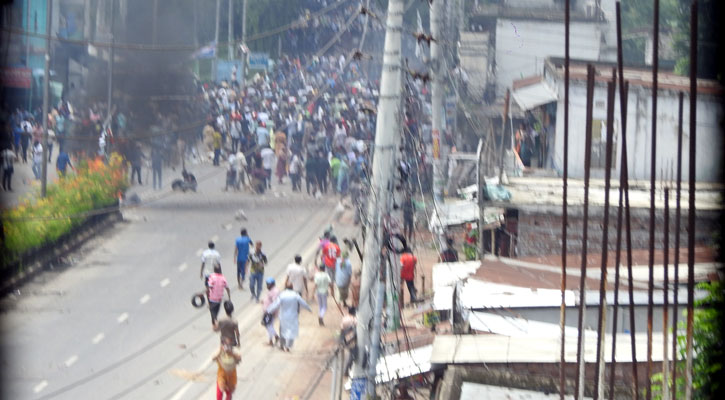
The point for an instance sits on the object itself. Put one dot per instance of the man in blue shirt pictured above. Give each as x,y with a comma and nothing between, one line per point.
241,255
62,162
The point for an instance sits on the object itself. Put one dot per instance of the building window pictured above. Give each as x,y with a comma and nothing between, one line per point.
599,144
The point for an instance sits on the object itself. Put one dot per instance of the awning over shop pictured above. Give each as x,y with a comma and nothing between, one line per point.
463,211
532,92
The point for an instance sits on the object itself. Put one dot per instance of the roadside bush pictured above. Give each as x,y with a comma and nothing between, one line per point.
69,201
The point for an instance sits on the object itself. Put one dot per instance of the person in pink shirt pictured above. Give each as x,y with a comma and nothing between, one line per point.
215,292
272,293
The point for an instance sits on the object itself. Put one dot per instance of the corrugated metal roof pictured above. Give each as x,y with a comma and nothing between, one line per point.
480,349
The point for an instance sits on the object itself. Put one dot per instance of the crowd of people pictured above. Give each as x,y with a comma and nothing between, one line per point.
308,119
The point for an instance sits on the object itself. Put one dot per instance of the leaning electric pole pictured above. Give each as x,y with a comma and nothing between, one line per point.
46,84
387,138
436,18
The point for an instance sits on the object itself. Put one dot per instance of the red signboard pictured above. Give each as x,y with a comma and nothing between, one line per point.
15,77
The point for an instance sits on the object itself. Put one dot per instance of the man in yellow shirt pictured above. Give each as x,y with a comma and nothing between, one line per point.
217,143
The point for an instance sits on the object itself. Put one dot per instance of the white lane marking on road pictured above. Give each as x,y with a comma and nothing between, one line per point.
182,267
201,369
199,252
215,238
96,339
165,282
71,360
121,318
40,386
144,299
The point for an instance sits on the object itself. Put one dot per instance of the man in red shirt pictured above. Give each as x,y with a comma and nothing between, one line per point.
330,254
407,272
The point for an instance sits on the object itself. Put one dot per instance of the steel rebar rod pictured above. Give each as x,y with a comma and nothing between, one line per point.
665,310
615,311
625,184
691,198
601,327
565,214
653,175
581,363
676,280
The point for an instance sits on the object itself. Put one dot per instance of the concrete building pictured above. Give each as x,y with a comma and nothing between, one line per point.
549,88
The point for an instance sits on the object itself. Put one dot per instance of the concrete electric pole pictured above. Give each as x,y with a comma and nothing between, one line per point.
46,84
230,31
436,19
111,56
387,138
216,41
243,71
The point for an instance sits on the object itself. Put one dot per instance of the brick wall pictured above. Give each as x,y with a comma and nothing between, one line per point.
539,231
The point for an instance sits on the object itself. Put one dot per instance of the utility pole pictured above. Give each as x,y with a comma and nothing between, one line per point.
27,53
387,138
216,41
46,83
504,118
154,23
230,31
436,31
110,57
243,71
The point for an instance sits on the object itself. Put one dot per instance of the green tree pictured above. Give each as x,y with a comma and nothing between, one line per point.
708,352
637,19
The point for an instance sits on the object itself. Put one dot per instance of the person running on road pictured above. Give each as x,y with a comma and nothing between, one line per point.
215,292
343,274
210,258
228,326
288,303
227,361
330,254
272,294
322,287
297,275
257,262
241,255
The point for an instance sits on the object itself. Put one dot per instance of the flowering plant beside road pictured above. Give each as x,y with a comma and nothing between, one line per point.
38,221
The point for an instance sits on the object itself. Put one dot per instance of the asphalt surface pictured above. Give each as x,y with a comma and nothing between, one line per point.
116,321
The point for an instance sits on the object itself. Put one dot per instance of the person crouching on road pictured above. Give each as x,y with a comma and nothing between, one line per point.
215,292
322,287
272,294
226,377
288,303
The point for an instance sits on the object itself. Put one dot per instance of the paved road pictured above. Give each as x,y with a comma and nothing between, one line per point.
117,322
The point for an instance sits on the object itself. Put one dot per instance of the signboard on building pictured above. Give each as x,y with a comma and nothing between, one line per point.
228,70
258,61
15,77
